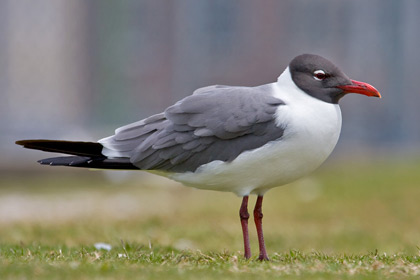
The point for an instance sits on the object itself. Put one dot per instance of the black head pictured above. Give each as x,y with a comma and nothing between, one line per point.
321,79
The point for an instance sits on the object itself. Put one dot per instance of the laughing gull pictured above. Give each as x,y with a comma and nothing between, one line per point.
244,140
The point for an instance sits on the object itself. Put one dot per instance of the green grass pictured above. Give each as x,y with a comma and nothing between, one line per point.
347,221
136,261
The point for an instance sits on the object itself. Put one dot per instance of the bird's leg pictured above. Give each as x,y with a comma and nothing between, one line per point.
258,215
244,215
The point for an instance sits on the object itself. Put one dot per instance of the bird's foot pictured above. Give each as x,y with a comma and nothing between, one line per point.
263,258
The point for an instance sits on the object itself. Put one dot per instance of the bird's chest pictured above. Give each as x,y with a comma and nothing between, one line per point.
311,132
311,127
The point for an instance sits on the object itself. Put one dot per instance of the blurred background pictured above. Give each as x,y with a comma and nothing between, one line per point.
79,69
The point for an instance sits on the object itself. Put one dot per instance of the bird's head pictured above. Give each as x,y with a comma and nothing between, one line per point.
321,79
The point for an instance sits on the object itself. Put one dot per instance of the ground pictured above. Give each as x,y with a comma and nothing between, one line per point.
350,220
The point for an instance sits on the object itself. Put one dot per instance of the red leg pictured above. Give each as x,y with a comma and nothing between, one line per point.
258,215
243,213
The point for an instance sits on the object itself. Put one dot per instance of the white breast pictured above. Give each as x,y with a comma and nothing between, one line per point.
312,129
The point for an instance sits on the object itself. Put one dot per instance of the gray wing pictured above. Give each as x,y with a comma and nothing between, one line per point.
215,123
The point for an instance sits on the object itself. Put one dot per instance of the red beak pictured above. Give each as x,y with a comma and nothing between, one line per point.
360,88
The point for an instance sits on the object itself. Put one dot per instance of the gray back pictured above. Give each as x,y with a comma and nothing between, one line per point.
215,123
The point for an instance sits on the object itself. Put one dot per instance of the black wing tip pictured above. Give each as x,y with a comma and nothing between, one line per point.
31,142
45,161
79,148
89,162
23,142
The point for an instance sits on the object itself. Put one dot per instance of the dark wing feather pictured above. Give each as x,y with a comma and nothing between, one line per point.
79,161
215,123
78,148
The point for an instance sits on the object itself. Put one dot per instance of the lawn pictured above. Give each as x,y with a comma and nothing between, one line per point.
347,221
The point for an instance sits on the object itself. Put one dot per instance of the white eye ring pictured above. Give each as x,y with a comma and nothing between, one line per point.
319,75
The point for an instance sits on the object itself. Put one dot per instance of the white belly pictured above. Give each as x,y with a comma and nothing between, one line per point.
312,131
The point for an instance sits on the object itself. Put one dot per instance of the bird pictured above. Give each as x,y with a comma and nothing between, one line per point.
244,140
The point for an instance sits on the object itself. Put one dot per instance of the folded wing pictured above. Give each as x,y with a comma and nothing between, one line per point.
215,123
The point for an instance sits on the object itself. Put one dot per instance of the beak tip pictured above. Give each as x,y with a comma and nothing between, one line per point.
376,93
361,88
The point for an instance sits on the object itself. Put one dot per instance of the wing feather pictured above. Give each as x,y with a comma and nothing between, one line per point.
215,123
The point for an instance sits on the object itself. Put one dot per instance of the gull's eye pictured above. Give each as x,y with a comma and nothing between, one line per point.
319,75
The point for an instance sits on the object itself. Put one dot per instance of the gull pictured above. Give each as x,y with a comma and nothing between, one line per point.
244,140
